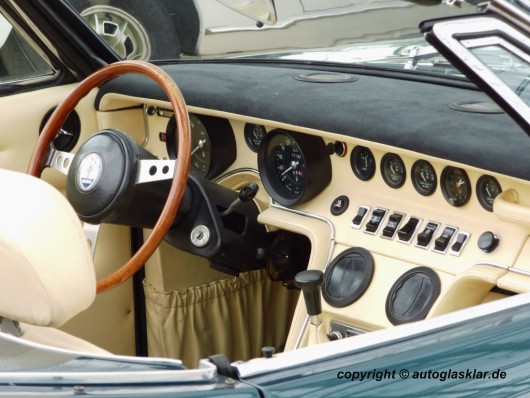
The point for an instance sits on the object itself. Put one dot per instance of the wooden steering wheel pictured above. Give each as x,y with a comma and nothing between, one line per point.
41,154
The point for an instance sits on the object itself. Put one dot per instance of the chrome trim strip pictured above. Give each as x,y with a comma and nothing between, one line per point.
301,334
147,134
150,170
372,340
56,366
234,172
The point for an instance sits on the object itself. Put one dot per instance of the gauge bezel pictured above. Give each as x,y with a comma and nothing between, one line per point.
247,132
415,176
481,195
385,161
443,181
222,144
359,173
316,160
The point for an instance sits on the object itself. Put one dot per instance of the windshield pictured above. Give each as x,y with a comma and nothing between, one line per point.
382,33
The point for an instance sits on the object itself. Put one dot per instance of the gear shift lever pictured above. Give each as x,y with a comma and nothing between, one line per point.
310,282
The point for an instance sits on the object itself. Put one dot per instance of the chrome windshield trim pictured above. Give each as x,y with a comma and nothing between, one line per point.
448,32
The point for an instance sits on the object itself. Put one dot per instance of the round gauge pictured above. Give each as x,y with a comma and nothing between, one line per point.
456,187
210,154
254,134
294,167
362,163
424,177
201,147
393,170
487,190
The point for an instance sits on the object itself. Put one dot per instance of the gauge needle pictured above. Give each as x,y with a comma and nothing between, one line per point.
488,192
294,165
459,183
423,176
199,146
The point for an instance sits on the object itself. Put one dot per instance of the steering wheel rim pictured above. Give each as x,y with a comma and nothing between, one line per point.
182,164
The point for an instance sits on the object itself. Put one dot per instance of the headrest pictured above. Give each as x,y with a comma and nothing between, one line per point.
46,270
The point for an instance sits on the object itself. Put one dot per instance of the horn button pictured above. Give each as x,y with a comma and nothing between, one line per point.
100,182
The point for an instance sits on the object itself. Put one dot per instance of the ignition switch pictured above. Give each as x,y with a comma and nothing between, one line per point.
200,236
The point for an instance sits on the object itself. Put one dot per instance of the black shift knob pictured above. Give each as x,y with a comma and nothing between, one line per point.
310,282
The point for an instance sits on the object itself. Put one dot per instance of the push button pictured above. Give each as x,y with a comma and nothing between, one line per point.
375,221
393,222
425,237
358,219
440,244
406,232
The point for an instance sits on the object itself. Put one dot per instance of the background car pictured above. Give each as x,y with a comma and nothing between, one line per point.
166,30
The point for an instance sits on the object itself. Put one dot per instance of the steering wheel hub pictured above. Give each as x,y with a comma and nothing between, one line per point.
89,172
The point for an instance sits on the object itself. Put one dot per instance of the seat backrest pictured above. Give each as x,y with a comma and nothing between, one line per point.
46,270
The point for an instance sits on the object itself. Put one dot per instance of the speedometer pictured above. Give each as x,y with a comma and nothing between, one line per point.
294,167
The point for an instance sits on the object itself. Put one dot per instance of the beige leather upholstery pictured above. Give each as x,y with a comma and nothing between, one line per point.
47,275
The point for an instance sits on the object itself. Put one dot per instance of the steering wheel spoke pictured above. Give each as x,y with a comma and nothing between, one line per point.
155,170
91,233
59,160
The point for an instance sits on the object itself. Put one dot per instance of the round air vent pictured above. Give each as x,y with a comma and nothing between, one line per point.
348,277
476,107
325,77
68,136
412,296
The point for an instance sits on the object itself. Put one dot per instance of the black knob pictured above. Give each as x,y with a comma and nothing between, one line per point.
310,282
335,335
268,351
488,241
248,192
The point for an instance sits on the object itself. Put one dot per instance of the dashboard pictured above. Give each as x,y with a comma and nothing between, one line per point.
412,209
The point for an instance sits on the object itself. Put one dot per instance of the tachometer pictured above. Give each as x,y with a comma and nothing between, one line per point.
456,187
294,167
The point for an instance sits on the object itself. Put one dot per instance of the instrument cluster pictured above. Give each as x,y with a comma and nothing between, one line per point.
454,182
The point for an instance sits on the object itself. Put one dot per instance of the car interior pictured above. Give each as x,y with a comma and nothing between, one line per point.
407,195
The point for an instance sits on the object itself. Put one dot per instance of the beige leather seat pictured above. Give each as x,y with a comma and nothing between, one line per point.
46,270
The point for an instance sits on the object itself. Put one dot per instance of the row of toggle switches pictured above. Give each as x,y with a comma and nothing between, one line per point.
450,238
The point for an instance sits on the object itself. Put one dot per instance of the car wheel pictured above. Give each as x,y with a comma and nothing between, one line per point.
135,30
